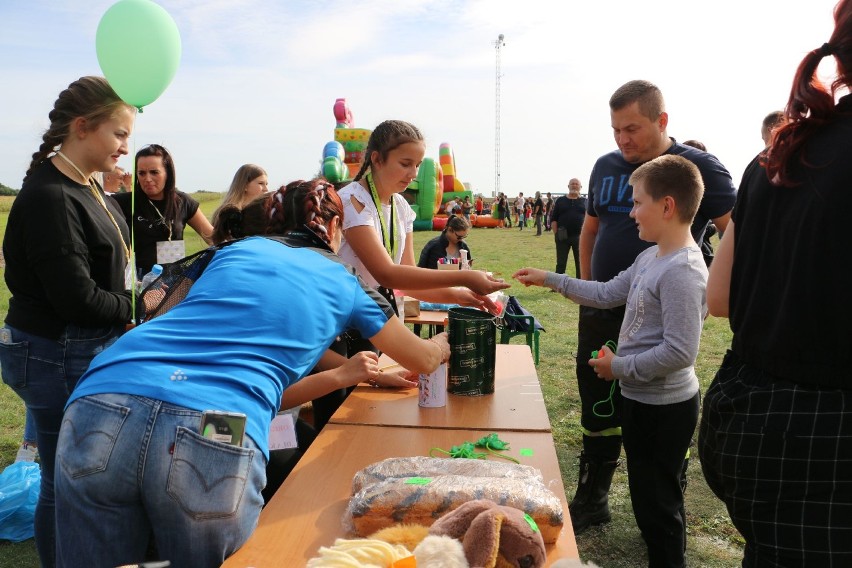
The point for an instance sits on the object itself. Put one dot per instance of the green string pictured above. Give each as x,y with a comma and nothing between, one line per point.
492,443
608,400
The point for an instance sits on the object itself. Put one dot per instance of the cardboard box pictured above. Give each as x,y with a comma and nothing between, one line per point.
411,307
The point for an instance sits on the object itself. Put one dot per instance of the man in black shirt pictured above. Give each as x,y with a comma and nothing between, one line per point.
566,220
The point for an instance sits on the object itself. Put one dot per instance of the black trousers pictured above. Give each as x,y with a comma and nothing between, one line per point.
595,329
562,249
655,439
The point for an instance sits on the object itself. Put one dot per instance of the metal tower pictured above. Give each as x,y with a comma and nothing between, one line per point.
497,44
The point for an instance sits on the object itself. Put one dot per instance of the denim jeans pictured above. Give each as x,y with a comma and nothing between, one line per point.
131,467
43,372
30,435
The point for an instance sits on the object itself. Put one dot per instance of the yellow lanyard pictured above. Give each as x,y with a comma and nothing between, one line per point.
99,198
387,236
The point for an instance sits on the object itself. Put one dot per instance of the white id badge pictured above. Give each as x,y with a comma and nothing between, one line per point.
128,277
282,432
170,251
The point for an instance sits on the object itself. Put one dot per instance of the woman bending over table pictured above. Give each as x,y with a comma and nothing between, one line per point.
134,458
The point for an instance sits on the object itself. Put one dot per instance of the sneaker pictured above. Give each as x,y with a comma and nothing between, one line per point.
26,453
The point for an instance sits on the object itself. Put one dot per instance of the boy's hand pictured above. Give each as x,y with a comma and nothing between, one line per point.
530,276
603,364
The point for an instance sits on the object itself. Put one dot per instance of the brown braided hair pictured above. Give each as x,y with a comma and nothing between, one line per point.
387,136
300,203
88,97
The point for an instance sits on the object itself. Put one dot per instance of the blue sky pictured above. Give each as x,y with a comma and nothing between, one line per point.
258,79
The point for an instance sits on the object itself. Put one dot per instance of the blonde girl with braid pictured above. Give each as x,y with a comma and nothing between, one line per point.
377,231
66,250
255,322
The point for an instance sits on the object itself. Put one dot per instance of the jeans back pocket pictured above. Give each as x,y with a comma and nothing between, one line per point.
206,478
13,359
90,429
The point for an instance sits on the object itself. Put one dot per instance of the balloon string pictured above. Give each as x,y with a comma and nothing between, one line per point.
134,276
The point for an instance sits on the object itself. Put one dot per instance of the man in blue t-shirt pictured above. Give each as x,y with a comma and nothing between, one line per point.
609,243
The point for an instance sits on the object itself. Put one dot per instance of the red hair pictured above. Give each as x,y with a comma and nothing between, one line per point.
811,104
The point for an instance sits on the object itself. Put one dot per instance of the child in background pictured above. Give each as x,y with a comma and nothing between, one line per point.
665,295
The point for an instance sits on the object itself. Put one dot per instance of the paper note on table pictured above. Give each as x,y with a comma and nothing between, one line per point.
282,433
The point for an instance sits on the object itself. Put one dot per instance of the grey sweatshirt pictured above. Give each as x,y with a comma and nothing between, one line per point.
659,338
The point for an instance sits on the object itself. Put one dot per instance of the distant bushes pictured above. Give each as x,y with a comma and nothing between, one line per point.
5,190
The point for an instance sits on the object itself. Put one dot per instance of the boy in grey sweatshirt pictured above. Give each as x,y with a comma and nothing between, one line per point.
665,295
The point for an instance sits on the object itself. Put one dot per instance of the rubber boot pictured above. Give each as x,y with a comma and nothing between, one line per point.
590,505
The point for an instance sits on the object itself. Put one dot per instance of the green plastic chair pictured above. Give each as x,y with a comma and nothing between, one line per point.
531,334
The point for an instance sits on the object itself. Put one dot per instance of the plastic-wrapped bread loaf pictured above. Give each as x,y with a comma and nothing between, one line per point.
423,499
422,466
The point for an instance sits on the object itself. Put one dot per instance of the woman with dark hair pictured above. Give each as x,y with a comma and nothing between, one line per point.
448,244
137,459
776,428
159,212
66,251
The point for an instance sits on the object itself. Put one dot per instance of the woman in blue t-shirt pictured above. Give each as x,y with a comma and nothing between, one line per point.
134,460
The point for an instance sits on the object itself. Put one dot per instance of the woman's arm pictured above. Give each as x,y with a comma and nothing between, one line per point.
719,281
413,353
202,226
365,242
363,366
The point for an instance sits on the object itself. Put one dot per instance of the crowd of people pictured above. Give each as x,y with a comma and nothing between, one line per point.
115,409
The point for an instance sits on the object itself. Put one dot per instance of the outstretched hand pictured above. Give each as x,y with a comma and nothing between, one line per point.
465,297
483,284
530,276
397,378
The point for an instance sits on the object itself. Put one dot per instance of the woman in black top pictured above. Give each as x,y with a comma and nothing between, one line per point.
160,212
446,245
66,250
776,427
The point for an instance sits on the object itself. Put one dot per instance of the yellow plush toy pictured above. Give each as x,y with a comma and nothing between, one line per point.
399,546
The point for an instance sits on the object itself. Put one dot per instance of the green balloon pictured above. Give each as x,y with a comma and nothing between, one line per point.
138,46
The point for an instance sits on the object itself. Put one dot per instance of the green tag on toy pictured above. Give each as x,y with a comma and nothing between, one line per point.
418,481
531,522
526,451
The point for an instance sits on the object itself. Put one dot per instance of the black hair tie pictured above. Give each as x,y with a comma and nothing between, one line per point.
826,50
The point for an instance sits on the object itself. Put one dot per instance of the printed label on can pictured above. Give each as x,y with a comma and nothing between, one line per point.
463,348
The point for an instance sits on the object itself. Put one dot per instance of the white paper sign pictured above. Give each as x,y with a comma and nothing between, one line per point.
170,251
282,432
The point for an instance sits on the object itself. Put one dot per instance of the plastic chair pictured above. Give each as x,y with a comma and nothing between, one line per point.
531,334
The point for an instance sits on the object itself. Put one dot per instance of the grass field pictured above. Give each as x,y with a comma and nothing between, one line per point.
712,540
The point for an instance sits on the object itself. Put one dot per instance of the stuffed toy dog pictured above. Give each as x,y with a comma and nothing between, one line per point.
493,536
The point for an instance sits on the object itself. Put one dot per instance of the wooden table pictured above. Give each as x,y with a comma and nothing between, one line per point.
516,405
307,511
427,317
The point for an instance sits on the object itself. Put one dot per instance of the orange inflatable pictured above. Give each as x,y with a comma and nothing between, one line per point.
484,221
